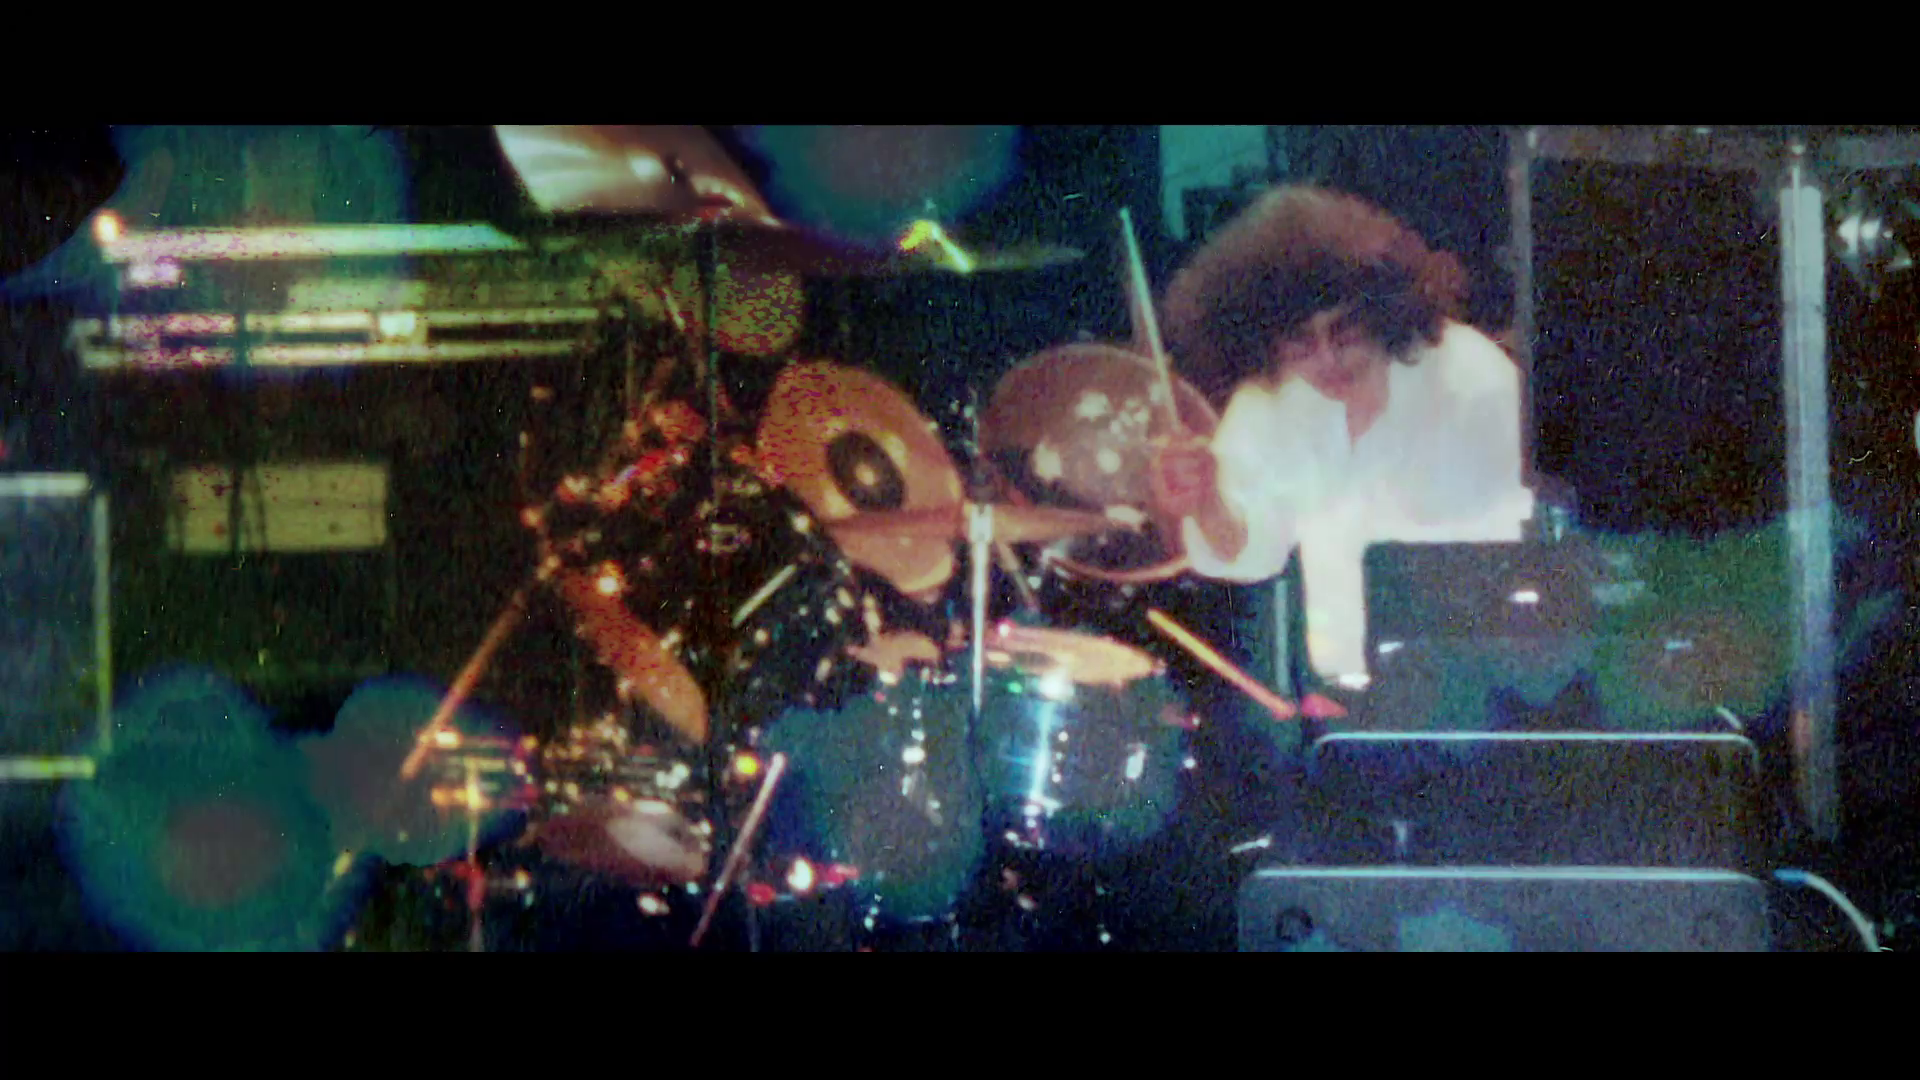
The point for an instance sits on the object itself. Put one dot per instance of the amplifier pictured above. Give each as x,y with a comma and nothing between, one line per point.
1565,636
1502,909
1579,799
56,671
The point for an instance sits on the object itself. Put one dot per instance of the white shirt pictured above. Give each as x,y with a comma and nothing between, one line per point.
1440,465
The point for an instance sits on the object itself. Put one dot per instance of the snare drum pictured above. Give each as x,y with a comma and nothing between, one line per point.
1083,741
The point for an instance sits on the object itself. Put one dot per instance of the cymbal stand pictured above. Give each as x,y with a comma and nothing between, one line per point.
980,545
980,496
476,877
719,755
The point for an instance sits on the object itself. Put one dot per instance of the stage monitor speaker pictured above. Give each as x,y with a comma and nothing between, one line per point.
1677,801
1506,909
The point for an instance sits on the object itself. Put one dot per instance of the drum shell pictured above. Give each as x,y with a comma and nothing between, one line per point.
1111,776
885,786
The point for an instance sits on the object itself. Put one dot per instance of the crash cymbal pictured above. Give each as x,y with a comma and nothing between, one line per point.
1084,418
646,667
849,445
1011,524
656,192
628,170
927,249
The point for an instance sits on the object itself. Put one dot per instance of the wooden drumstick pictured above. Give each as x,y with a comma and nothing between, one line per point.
741,846
503,627
1280,707
1010,563
1147,324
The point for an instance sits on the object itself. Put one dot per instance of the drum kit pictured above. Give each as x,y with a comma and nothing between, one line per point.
794,738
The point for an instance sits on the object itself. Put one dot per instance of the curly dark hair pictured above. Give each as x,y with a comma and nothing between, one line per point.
1294,253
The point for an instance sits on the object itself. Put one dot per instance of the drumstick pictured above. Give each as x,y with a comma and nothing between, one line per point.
1148,324
1280,707
766,592
503,627
1010,563
741,846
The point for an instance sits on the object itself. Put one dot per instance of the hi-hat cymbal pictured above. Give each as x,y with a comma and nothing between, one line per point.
947,524
849,445
1085,417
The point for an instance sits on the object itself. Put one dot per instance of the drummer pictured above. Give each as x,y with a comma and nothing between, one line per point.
1359,410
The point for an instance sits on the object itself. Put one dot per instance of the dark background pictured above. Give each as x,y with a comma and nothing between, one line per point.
1657,394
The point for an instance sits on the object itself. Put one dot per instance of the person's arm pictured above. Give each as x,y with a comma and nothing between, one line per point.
1240,498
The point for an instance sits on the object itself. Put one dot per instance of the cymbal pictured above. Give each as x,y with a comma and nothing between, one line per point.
643,842
849,445
627,169
1011,524
743,244
655,190
1084,417
1018,259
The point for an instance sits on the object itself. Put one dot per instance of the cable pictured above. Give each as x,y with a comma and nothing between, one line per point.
1861,924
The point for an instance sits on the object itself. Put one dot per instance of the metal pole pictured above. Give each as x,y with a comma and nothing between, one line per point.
103,619
1282,629
1521,145
1803,260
